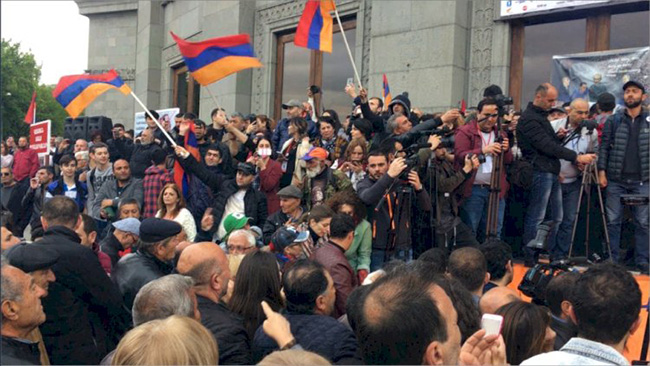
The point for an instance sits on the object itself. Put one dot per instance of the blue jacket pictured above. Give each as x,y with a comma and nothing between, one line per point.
320,334
57,188
281,132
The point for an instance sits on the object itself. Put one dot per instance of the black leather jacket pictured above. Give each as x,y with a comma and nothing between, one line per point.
135,270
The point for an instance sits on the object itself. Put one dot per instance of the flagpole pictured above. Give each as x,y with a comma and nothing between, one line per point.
345,40
214,99
146,110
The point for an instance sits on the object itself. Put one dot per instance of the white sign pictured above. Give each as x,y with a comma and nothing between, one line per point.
524,7
164,116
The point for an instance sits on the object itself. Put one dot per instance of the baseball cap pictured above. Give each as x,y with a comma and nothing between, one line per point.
634,83
606,101
234,221
315,153
292,103
286,236
130,225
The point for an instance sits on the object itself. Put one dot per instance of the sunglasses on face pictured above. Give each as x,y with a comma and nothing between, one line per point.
6,174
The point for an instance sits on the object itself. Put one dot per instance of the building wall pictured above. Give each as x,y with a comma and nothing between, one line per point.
438,51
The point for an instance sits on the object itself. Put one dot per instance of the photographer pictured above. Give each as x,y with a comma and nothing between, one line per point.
450,230
543,148
479,137
391,238
119,147
581,139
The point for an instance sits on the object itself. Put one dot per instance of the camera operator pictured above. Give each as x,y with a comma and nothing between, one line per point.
391,238
450,230
581,139
543,148
479,137
119,147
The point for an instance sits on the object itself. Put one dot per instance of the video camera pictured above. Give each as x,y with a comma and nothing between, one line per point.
534,282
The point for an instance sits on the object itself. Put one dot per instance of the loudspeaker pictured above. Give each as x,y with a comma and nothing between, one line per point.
84,127
75,129
99,123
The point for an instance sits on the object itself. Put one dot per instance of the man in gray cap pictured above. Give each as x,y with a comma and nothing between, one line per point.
36,262
289,213
152,260
118,243
294,109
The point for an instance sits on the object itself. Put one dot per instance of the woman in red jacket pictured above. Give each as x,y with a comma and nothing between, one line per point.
270,172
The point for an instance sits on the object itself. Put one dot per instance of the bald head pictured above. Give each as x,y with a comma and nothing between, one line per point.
579,111
207,265
545,96
496,298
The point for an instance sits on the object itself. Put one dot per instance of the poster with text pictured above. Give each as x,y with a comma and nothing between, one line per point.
524,7
39,137
587,75
166,116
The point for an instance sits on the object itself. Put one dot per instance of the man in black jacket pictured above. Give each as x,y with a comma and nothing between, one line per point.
119,147
391,238
207,264
142,151
152,260
543,148
12,196
290,212
36,194
71,334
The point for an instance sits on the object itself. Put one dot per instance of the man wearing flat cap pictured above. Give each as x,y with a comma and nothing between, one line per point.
36,262
624,168
289,213
71,334
320,181
119,243
152,259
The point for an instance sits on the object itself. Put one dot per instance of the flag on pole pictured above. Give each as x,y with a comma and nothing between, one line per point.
315,26
385,92
214,59
30,117
181,178
76,92
463,106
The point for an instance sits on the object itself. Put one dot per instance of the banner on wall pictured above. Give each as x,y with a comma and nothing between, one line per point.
525,7
587,75
164,116
39,137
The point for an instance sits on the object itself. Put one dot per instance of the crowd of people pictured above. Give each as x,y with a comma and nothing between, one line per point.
374,238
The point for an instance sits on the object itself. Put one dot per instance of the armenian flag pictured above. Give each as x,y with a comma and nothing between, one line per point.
76,92
315,26
385,91
214,59
181,178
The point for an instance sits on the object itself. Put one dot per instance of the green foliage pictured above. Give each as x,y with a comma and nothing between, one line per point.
19,78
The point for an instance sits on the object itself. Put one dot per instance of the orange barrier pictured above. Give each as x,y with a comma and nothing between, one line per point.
634,343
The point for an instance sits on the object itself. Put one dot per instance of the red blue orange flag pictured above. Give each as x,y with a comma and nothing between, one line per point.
315,26
385,91
214,59
76,92
181,178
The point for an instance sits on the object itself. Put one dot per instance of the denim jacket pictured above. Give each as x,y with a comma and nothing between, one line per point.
580,351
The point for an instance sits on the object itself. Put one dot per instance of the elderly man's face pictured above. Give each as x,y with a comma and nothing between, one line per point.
579,112
238,244
7,176
289,204
80,145
43,278
147,137
28,310
403,124
294,112
129,210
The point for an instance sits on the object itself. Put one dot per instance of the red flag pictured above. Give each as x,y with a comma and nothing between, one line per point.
463,106
31,112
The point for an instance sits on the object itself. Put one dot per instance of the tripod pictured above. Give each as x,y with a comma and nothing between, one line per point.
491,230
589,178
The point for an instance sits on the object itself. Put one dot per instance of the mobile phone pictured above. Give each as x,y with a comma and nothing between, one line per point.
492,324
350,81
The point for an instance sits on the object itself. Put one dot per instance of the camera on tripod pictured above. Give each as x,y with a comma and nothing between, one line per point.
502,101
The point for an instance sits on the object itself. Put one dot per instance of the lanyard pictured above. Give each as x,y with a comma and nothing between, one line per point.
489,139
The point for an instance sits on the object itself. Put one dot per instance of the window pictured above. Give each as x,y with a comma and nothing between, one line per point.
298,68
187,91
630,30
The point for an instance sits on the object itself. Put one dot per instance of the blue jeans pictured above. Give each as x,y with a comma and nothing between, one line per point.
473,212
545,203
559,247
377,257
615,217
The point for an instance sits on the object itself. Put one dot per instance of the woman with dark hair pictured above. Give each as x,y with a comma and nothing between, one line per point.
292,152
7,158
353,162
258,279
361,129
358,254
171,206
329,140
526,331
317,221
269,173
260,128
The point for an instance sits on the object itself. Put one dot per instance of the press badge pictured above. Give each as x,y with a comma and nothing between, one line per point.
284,166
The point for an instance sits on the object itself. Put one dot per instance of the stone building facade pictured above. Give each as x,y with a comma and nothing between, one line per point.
440,51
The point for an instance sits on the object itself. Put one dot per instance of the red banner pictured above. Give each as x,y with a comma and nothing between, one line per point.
39,136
